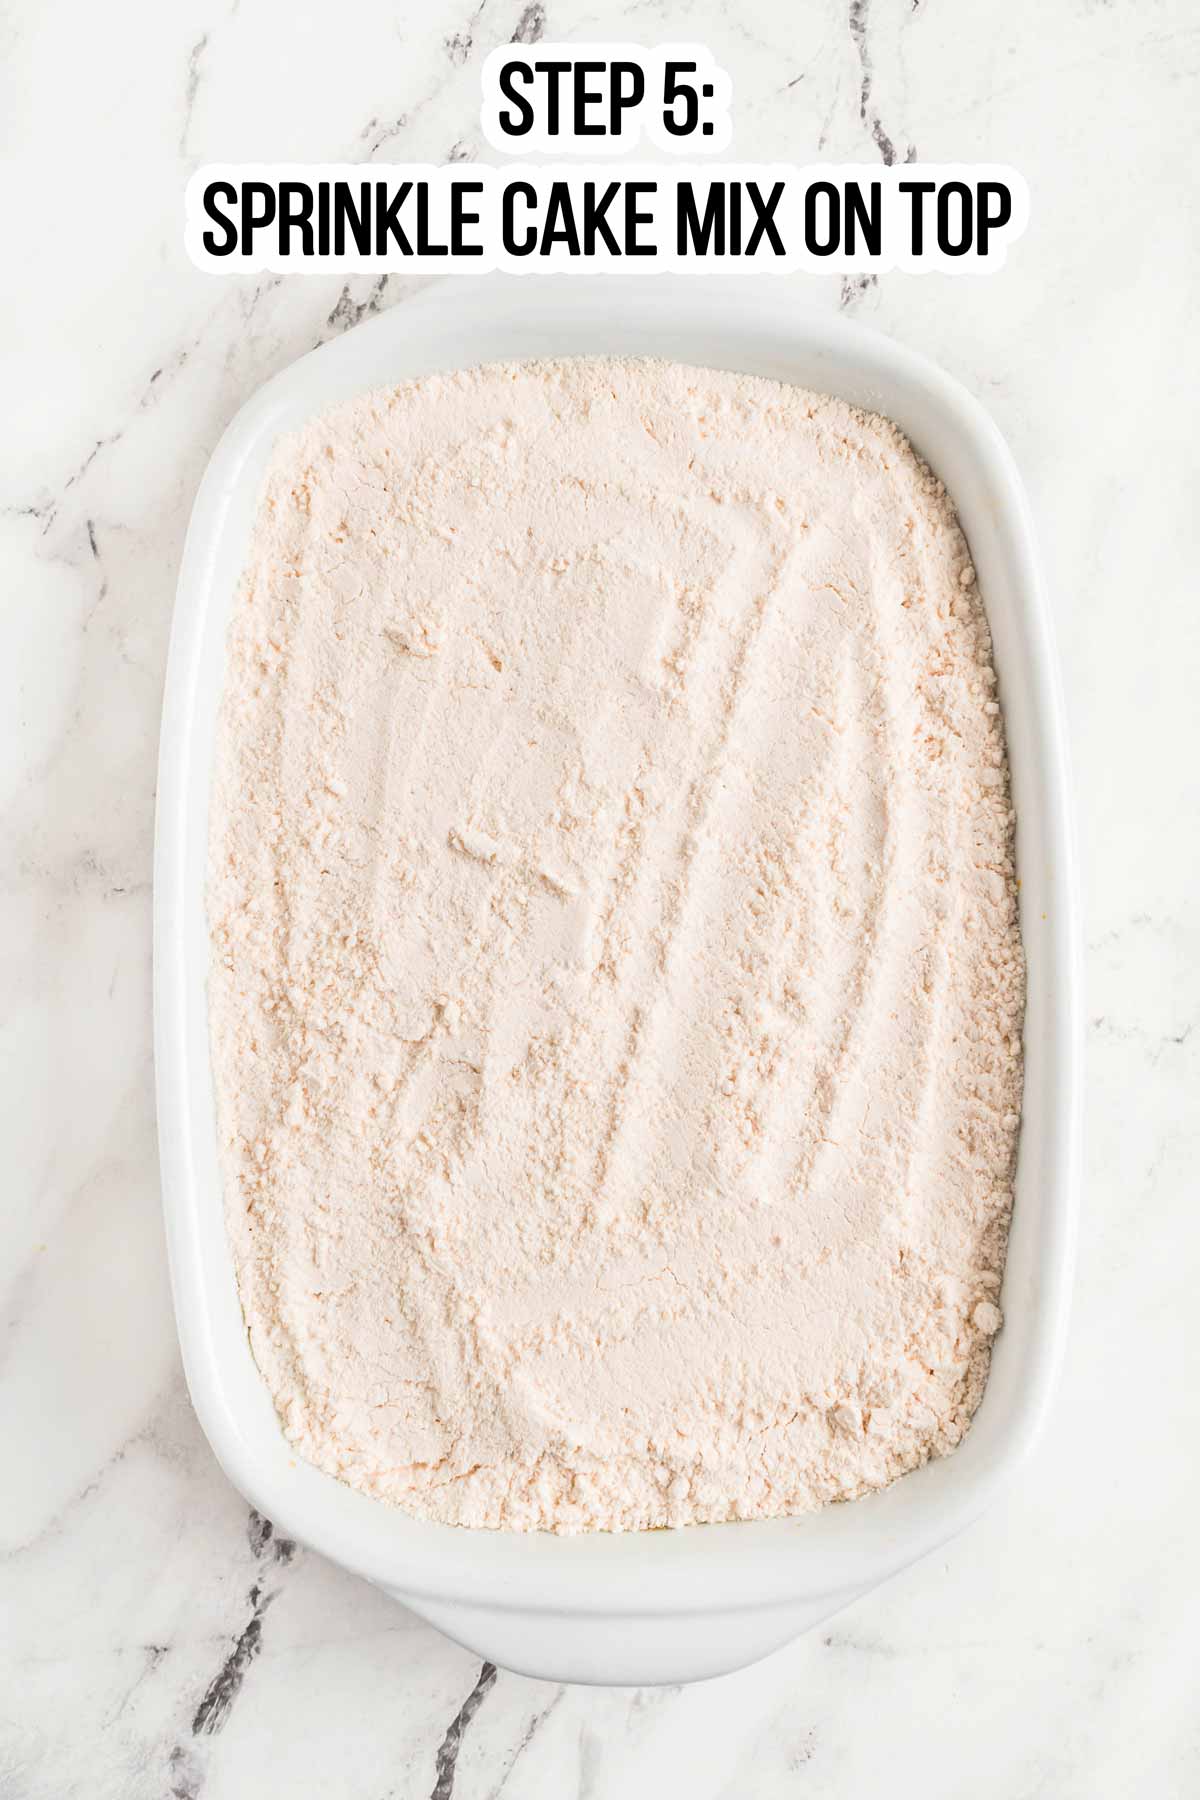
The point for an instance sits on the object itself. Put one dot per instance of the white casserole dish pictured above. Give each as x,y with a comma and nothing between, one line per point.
659,1606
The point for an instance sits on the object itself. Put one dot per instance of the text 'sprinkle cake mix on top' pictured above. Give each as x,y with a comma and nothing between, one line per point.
616,988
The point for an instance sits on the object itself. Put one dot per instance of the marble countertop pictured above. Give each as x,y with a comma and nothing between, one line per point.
161,1640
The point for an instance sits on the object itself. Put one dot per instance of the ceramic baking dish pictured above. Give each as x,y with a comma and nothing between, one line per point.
656,1606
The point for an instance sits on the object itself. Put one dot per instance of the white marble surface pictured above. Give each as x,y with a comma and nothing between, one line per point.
1052,1650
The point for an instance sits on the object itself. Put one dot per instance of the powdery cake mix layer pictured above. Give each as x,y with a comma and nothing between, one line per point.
616,987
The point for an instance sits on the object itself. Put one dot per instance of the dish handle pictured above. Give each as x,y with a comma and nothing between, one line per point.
625,1650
